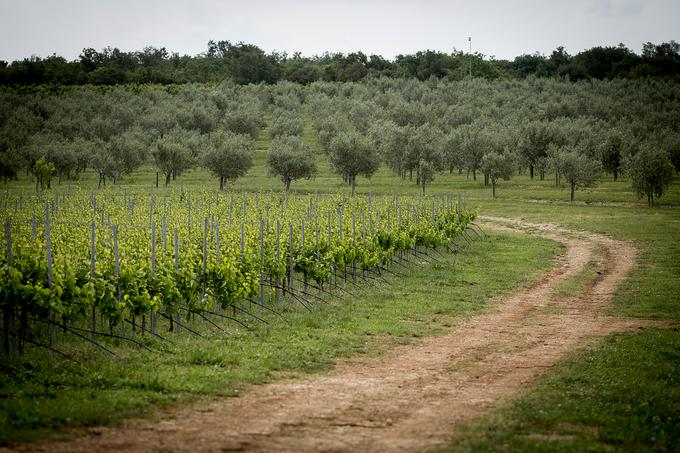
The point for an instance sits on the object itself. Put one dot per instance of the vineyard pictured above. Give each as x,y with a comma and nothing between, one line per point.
108,265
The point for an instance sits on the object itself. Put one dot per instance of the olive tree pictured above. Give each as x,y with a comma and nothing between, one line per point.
453,151
497,166
536,138
229,155
612,150
650,171
175,152
285,123
425,148
291,159
352,154
472,147
391,141
577,169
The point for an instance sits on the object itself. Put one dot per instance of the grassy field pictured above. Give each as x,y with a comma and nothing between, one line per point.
623,394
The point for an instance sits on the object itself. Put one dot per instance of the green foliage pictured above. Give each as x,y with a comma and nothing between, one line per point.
229,156
43,171
497,166
578,169
535,140
351,154
176,152
285,122
650,171
291,159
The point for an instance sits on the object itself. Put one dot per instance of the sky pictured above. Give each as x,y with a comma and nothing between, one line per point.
499,28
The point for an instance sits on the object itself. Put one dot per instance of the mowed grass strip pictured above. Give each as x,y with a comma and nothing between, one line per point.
620,396
46,396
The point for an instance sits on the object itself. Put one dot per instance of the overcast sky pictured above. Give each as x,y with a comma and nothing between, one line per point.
502,28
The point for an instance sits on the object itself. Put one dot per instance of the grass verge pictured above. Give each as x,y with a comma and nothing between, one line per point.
621,396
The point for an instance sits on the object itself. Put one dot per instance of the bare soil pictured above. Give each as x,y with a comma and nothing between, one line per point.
415,396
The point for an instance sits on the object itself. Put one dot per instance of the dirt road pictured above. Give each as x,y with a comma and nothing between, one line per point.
414,397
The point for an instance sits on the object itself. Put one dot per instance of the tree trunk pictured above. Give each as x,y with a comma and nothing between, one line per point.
353,179
410,174
287,183
573,189
531,171
423,181
474,174
493,187
167,179
616,174
221,182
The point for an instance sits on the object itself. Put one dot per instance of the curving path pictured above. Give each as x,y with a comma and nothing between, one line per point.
414,397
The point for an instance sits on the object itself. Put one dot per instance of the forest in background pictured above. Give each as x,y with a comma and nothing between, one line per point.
245,63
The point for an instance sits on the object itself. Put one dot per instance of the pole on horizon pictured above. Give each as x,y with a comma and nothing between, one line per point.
470,54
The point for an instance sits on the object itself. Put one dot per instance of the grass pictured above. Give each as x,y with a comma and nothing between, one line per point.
623,395
584,279
48,395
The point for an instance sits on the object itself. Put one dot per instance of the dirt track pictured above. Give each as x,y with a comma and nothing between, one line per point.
414,397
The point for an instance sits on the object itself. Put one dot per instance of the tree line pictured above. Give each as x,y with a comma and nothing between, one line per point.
244,63
572,132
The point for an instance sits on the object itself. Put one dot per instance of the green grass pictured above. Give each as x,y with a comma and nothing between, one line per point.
621,396
49,395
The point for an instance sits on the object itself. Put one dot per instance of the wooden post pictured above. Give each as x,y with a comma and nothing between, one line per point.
152,315
290,264
164,230
242,241
117,267
354,245
261,263
278,261
302,229
458,207
8,313
92,276
176,245
188,213
217,244
205,253
48,250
